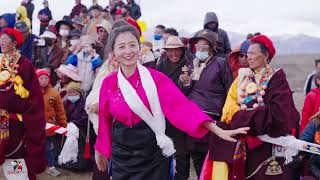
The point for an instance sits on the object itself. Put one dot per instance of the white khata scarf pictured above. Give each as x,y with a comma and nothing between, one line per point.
156,120
198,67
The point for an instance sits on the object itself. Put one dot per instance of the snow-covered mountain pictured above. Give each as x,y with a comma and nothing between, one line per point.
285,44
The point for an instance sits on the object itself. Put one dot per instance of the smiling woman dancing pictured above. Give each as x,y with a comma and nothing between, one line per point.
134,102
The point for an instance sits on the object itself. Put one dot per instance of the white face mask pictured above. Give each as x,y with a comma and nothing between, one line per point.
73,99
202,55
64,32
74,42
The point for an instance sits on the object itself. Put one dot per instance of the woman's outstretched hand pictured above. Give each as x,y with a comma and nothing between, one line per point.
229,134
101,161
226,134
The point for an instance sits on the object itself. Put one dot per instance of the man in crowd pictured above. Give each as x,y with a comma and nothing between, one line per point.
27,47
157,42
135,11
44,16
310,83
7,20
211,22
91,28
169,32
30,8
77,9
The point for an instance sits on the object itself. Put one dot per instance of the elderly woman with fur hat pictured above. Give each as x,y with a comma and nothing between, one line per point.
261,98
207,85
22,125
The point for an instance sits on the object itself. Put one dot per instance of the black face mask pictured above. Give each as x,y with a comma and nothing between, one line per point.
49,42
212,26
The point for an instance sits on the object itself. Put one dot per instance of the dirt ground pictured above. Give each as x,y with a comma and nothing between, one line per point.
297,68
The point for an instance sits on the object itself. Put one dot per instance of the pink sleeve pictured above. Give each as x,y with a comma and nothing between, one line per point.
179,110
104,141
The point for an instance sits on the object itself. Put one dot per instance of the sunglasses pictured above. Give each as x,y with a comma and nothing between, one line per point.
200,46
243,56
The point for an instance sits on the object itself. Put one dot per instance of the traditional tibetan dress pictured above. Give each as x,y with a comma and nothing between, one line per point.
128,140
262,101
22,125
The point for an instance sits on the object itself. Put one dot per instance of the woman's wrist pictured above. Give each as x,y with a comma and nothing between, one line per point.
212,126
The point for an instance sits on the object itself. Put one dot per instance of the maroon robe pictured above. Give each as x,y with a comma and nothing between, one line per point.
277,118
32,127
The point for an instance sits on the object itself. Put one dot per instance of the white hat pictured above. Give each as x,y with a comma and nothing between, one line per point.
70,71
173,42
87,39
49,34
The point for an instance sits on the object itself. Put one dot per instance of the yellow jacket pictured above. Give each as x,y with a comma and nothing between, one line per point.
22,11
231,105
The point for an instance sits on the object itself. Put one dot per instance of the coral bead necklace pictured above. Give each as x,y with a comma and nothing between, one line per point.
253,88
9,75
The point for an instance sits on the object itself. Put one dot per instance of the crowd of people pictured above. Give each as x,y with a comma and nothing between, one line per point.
145,110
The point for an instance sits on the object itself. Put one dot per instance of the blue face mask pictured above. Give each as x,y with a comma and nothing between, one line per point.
157,37
73,99
202,55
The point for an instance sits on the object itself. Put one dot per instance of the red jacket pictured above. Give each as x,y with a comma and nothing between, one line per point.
234,62
310,107
76,10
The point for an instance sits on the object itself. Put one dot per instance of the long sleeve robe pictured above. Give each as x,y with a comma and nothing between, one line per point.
277,118
32,127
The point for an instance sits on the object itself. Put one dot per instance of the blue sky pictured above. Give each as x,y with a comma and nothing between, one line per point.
272,17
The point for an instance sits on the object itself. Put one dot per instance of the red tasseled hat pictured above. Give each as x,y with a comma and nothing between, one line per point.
53,29
135,24
119,11
18,36
41,72
267,43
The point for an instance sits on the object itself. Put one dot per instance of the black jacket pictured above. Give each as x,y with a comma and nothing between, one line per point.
223,43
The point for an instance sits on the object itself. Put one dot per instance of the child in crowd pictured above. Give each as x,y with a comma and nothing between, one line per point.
311,103
312,134
66,73
54,114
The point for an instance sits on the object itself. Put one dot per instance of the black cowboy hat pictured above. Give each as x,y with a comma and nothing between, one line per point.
66,21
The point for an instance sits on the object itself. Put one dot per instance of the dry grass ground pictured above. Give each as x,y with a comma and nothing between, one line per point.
297,67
